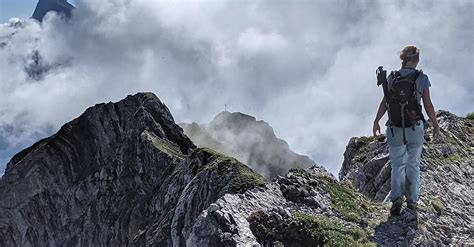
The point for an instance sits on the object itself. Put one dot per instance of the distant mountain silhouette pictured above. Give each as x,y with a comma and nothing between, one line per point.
59,6
250,141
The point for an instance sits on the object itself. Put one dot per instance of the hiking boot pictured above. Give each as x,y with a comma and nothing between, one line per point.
396,207
412,205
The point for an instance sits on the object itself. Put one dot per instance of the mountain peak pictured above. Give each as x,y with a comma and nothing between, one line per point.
250,141
113,123
122,173
234,115
60,6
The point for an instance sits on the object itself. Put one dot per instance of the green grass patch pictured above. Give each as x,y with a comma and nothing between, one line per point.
300,172
241,177
366,139
360,158
470,115
305,230
344,199
363,147
164,145
321,229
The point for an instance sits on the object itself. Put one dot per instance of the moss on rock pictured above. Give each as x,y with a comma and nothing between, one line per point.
300,172
324,231
265,228
344,199
241,177
164,145
305,230
362,145
470,115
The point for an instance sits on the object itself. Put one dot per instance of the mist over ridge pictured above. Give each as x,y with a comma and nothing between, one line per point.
252,142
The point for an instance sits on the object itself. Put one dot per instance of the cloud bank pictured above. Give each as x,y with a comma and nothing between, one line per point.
305,67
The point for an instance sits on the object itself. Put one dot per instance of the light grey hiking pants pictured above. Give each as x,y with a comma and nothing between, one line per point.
405,162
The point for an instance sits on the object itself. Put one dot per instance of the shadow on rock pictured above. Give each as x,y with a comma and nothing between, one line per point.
398,230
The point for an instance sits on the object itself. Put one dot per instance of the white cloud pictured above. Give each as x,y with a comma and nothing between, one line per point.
306,67
255,41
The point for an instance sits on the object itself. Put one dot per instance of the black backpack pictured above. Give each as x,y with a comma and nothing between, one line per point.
401,100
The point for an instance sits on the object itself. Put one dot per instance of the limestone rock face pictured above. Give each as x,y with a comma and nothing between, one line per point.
303,208
120,174
446,209
124,174
250,141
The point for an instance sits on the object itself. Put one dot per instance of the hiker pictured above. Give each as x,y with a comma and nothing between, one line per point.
405,127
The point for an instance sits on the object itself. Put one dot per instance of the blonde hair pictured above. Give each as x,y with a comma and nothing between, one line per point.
409,53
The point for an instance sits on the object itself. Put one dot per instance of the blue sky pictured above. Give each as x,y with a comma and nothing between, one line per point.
17,8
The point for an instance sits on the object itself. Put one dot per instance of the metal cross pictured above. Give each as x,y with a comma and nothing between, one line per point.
225,107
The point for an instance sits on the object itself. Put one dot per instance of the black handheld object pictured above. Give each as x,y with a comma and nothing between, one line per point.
382,80
381,75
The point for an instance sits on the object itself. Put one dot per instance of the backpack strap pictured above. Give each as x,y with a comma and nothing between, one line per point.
418,73
395,74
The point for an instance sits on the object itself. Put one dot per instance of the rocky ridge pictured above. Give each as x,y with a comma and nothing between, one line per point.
446,211
309,207
120,174
303,208
125,174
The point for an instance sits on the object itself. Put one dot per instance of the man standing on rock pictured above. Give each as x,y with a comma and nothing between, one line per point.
405,143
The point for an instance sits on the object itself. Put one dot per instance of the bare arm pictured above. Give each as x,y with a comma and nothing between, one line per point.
380,112
430,111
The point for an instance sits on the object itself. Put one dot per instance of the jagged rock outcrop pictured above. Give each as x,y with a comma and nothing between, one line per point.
124,174
446,211
250,141
303,208
120,174
61,7
307,208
